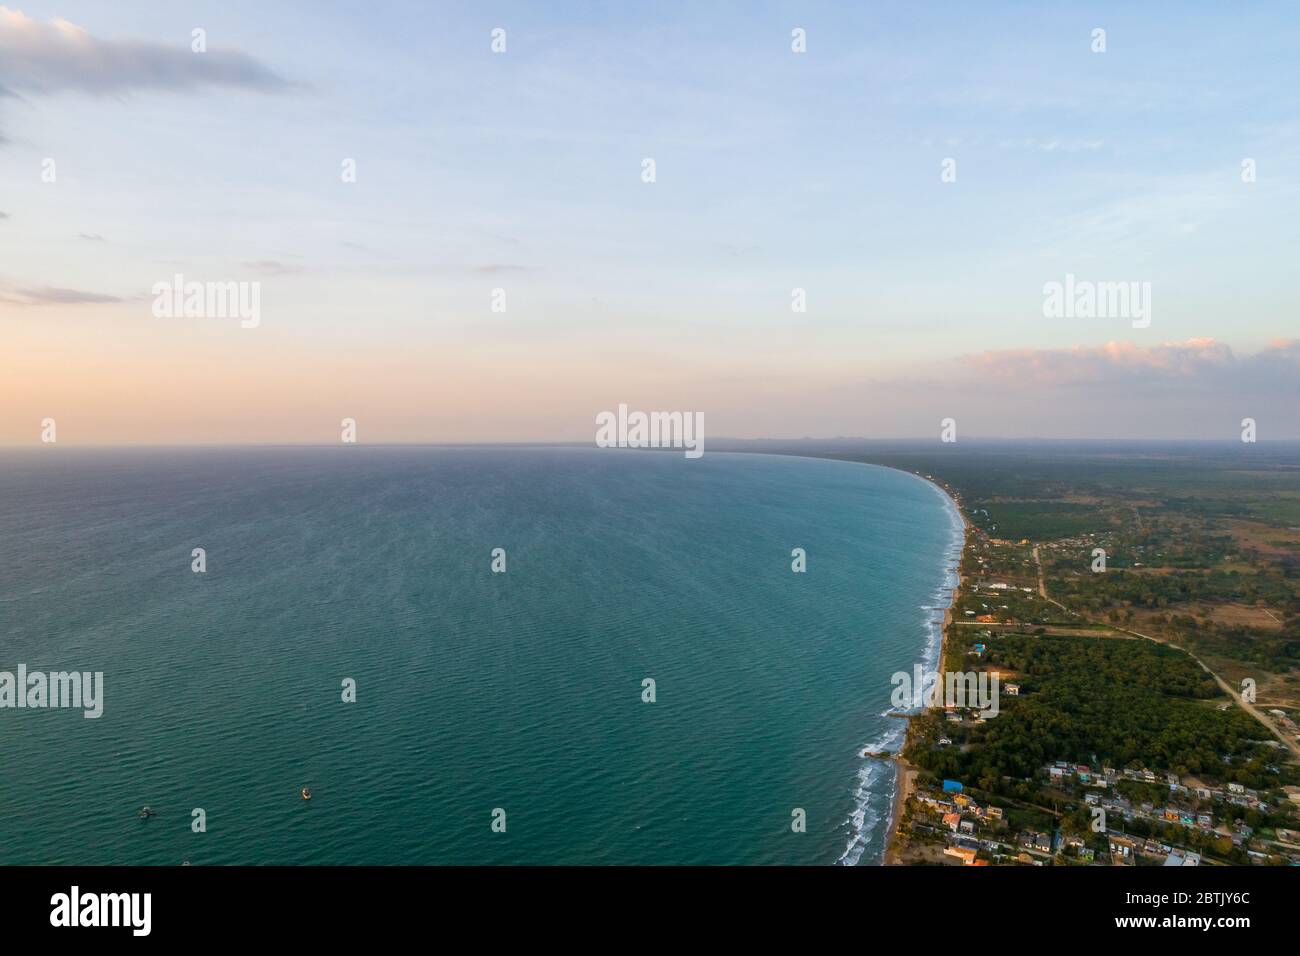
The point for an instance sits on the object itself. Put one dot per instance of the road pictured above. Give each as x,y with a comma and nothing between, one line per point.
1042,585
1288,741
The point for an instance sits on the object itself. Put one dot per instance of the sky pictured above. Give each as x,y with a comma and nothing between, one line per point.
922,172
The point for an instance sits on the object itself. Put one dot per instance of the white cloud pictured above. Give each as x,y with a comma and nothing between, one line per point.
43,57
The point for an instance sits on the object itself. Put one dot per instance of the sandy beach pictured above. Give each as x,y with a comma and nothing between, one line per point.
903,787
906,773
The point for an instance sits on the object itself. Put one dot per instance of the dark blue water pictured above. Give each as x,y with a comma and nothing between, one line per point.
475,691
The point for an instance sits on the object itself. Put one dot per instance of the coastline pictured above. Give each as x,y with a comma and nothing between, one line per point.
904,773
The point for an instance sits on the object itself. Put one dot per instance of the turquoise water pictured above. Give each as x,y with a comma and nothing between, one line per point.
475,690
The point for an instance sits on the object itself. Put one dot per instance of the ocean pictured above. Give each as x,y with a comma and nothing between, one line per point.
498,717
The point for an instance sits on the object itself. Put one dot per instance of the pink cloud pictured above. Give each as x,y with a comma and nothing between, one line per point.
1196,359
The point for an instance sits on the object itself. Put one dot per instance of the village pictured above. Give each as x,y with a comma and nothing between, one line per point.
1224,791
1194,823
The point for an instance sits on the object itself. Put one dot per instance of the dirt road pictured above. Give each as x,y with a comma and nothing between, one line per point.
1288,741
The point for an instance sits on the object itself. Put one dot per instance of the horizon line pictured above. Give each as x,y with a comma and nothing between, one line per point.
532,443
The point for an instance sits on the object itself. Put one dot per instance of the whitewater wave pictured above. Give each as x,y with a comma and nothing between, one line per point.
867,814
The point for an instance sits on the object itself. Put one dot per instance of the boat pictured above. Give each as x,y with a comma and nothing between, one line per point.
306,793
146,813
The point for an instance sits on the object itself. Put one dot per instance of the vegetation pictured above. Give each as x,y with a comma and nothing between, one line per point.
1147,554
1122,703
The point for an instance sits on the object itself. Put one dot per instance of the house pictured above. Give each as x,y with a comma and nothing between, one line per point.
952,786
963,853
952,821
1035,841
1183,858
967,827
1236,788
978,648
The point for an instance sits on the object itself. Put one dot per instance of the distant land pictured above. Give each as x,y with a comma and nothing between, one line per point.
1150,704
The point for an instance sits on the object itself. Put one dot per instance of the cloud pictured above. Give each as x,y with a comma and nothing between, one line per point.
43,57
1195,389
4,215
92,236
272,267
1195,363
50,295
483,269
1056,144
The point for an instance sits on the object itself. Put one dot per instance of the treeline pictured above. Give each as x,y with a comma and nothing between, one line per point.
1119,587
1102,701
1276,652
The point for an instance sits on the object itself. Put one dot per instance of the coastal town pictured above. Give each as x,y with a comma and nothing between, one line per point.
1184,822
1107,745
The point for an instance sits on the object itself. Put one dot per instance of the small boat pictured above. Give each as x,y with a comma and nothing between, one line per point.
146,813
306,794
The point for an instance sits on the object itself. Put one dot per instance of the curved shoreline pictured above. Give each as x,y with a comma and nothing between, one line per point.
904,772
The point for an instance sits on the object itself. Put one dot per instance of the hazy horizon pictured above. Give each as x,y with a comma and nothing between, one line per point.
914,178
730,443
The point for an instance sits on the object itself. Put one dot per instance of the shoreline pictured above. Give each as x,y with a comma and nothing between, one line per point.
904,773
